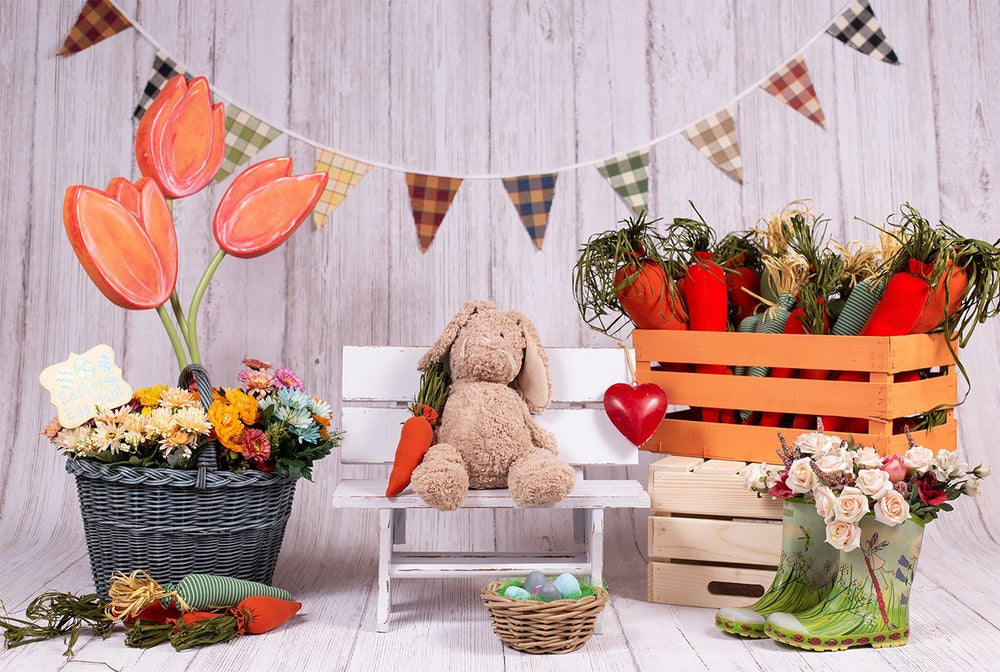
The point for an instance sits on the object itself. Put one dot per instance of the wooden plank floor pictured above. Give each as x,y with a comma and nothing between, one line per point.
441,625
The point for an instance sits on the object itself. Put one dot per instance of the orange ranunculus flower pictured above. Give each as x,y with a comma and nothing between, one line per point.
245,405
263,207
225,419
181,139
124,238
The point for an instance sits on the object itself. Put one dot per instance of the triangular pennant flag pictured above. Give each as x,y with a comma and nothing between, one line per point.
245,136
628,174
857,27
430,198
345,174
532,197
164,68
715,136
98,20
792,85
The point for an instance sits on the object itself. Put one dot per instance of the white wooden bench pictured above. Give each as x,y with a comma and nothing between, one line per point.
378,382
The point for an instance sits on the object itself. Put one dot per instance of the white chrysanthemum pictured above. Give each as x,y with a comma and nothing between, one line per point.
134,422
320,408
112,416
295,417
193,420
175,397
105,436
161,422
947,465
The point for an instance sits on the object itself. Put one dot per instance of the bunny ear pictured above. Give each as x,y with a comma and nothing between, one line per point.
439,351
534,382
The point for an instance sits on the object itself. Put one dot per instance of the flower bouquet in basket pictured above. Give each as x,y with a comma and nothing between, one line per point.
150,470
852,526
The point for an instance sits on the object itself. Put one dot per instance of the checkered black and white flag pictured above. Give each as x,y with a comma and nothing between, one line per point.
857,27
164,69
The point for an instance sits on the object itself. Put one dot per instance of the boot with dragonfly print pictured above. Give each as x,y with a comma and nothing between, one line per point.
805,573
869,603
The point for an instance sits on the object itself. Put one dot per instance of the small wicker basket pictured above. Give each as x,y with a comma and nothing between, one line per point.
560,626
173,522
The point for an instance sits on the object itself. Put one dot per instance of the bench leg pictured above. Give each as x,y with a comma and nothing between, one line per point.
595,552
385,517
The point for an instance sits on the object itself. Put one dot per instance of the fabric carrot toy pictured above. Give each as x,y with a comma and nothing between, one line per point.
747,326
417,435
739,254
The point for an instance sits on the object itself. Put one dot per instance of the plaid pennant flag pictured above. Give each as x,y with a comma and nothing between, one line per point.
628,174
532,197
245,136
164,68
792,85
345,174
430,198
857,27
98,20
715,137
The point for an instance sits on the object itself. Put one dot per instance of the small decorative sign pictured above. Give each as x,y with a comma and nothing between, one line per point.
82,383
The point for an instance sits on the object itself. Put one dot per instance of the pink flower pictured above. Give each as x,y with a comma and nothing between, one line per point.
779,489
257,382
895,467
288,378
256,364
255,446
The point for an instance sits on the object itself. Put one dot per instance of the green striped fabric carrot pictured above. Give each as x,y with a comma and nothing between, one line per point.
748,325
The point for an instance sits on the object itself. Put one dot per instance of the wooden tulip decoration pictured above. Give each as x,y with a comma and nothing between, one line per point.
263,207
181,139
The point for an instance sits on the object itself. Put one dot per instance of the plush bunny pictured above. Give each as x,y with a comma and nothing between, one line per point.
486,437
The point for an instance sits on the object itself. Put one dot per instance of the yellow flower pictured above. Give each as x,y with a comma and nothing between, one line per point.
150,396
175,397
245,405
226,421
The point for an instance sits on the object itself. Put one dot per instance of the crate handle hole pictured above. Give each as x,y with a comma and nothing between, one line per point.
735,589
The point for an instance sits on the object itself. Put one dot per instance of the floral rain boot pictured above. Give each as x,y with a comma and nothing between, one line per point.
805,573
869,603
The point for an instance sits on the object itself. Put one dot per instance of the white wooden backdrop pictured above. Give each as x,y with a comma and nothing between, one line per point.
500,86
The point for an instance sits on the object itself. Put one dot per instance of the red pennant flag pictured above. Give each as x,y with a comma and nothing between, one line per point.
430,198
98,20
792,85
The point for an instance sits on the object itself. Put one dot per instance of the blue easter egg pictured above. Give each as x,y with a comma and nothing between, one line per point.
533,580
568,586
547,593
517,593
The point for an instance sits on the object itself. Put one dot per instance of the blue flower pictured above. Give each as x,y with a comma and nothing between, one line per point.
307,435
294,398
296,418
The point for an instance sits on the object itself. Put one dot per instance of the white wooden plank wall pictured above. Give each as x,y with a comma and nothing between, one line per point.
471,87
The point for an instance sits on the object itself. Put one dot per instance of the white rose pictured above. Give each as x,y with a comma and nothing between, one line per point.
843,535
851,506
825,501
892,509
755,477
868,458
816,443
983,470
947,465
838,462
772,477
874,482
919,459
801,477
972,487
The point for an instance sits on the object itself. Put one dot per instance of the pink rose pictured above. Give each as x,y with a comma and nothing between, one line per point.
779,489
895,467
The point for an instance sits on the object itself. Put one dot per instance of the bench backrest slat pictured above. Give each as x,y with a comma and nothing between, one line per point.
375,377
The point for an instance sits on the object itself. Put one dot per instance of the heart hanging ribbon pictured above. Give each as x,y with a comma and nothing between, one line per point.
636,411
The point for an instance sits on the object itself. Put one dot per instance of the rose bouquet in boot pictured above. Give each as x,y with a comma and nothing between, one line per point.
873,510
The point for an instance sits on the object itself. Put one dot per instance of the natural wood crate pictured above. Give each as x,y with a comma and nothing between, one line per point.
711,543
880,400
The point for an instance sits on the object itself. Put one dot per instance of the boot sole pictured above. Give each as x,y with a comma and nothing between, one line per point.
876,640
748,630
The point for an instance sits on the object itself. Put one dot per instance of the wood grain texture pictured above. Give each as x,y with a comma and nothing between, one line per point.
474,86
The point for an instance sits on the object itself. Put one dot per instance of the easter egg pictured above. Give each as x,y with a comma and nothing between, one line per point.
547,593
568,586
533,580
517,593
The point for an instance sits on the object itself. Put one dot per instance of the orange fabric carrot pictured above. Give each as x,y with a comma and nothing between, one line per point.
415,440
267,613
944,301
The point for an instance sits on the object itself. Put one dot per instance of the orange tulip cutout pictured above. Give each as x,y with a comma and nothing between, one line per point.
263,207
181,139
124,238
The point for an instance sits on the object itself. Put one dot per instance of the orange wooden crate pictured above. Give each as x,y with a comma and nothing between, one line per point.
880,400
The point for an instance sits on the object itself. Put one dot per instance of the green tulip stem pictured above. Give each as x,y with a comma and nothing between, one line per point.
175,303
172,333
192,335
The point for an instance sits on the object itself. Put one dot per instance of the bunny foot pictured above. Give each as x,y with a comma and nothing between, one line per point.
540,479
442,480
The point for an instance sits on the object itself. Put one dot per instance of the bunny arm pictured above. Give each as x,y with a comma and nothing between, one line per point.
540,437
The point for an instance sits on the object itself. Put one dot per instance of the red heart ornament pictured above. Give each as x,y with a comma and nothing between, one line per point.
635,411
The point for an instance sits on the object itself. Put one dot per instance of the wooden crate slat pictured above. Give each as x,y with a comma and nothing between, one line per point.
919,396
919,351
708,494
676,463
710,540
675,583
720,467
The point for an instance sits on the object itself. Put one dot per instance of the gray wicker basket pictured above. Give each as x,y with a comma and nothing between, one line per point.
173,522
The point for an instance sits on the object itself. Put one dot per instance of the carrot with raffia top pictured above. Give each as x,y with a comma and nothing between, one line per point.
417,435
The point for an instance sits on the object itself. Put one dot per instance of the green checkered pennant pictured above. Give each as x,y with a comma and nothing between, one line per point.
628,174
245,136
